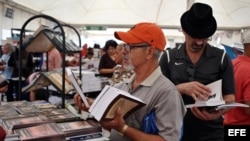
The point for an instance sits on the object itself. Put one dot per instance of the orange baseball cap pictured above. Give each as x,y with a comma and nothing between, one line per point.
144,32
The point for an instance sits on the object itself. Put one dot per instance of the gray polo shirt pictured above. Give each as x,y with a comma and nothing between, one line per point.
160,94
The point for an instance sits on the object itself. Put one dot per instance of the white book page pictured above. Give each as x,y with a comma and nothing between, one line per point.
231,105
215,98
77,87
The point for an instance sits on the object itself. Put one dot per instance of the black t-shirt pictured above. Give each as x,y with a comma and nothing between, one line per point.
106,63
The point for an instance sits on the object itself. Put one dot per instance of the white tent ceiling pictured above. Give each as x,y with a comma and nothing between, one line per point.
230,14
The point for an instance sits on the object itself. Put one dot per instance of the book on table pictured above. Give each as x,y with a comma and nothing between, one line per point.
215,100
43,132
80,127
63,117
22,122
46,78
97,135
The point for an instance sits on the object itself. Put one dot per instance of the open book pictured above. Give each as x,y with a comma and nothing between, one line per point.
215,100
45,38
110,98
46,78
76,85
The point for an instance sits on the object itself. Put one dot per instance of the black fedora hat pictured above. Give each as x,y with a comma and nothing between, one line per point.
198,21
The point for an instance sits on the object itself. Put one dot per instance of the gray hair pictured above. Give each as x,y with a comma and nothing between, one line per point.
11,48
157,53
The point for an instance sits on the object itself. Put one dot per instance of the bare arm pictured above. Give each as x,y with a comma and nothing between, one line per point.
106,71
247,110
136,135
228,99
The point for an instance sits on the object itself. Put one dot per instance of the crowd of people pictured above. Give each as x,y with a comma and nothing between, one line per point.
167,80
187,69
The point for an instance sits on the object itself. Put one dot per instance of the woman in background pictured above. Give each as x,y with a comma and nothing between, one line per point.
107,62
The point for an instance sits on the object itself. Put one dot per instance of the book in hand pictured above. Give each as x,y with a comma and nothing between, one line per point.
44,132
215,100
46,78
110,98
76,85
81,127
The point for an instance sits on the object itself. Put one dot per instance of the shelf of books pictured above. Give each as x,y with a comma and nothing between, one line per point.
46,122
41,41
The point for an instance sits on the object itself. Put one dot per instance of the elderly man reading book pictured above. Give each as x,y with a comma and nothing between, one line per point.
163,103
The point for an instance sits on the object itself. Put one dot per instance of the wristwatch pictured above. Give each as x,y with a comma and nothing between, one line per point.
124,129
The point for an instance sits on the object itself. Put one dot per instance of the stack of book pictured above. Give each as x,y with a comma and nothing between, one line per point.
76,128
45,132
50,123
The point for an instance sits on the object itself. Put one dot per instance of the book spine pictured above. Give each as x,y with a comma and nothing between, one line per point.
85,137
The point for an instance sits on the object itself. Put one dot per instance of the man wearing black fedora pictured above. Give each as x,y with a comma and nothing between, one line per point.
195,64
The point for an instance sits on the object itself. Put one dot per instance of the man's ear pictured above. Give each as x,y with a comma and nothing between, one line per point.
150,52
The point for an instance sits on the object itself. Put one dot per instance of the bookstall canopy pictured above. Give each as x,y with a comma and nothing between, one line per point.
230,14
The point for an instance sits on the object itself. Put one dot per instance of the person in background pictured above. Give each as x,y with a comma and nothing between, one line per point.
7,66
144,44
54,62
107,62
195,64
102,52
121,72
239,115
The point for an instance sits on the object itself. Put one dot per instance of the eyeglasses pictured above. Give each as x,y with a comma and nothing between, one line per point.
129,47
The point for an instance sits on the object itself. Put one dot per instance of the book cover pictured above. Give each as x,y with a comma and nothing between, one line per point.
70,46
215,100
40,41
44,132
22,122
7,110
46,78
45,38
63,117
43,104
82,127
22,103
85,137
110,98
55,112
76,85
30,109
